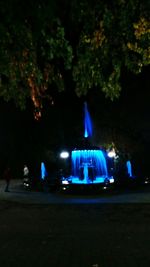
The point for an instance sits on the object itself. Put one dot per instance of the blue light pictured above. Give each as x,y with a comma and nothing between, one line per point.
43,171
87,122
88,166
129,168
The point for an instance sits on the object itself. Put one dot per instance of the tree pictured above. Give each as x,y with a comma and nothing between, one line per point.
89,42
115,35
34,54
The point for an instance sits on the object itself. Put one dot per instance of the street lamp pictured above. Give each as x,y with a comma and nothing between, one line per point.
112,153
64,154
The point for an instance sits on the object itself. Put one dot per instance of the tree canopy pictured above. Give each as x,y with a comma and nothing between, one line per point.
44,43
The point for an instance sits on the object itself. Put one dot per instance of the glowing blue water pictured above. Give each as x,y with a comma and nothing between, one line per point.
129,168
88,166
87,122
43,171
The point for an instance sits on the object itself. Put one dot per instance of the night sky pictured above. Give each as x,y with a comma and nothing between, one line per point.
124,121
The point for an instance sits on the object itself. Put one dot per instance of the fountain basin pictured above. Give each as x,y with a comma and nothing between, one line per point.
88,168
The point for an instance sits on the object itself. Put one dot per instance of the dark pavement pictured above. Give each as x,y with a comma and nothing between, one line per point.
19,194
71,233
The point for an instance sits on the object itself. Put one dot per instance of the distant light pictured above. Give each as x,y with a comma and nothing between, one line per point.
65,182
64,155
104,187
111,154
146,181
111,180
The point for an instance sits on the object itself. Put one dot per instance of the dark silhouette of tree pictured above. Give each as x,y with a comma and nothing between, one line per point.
44,43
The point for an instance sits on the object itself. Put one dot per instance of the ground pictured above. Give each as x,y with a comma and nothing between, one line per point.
74,235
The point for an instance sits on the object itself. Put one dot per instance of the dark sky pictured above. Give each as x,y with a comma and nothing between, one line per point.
22,138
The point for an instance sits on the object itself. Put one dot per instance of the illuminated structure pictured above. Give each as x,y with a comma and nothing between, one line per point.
94,168
88,164
43,171
129,168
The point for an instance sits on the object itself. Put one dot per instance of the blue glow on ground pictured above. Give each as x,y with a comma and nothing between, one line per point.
129,168
88,166
87,122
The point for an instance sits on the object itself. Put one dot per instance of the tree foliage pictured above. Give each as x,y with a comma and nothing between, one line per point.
116,35
94,41
33,58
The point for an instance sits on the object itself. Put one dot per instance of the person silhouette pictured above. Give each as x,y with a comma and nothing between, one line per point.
26,176
7,176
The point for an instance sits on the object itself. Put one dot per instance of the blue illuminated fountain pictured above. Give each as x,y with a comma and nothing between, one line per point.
129,168
87,122
43,171
88,164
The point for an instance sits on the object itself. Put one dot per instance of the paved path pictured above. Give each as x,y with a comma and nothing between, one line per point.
104,234
18,194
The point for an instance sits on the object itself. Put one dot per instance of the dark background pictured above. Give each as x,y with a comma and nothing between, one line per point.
124,121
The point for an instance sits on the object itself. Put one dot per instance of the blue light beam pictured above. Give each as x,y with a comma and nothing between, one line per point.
87,122
43,171
129,168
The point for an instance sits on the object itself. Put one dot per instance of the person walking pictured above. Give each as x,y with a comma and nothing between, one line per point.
26,171
26,176
7,176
